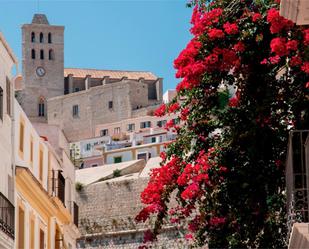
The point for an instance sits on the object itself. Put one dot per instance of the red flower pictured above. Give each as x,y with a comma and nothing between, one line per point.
184,113
292,45
274,59
148,236
256,17
173,107
306,37
215,34
239,47
189,236
307,85
233,102
190,192
278,46
160,111
277,22
230,28
217,221
305,67
295,61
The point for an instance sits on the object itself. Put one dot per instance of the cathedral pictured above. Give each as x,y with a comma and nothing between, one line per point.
77,99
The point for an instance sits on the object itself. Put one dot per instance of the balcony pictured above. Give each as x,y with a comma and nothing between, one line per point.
6,216
297,178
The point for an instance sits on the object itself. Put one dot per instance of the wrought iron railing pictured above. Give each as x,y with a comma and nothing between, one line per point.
7,218
297,178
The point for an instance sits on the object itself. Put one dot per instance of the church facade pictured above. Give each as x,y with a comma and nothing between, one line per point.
77,99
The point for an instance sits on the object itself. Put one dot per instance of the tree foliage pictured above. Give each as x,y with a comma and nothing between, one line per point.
227,163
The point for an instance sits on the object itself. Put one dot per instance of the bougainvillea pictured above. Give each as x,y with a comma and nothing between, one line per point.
244,86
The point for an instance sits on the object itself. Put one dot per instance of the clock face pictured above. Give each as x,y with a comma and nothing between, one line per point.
40,71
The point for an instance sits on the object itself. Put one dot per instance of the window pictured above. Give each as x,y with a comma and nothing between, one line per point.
153,139
51,55
41,154
49,38
32,37
8,96
94,165
176,121
33,54
21,136
42,54
76,89
131,127
88,147
146,124
75,111
21,228
117,159
110,104
161,123
117,130
160,139
41,107
41,37
1,103
142,156
104,132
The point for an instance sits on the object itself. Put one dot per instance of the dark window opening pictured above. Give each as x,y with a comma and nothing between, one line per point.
41,38
42,54
75,111
49,38
33,54
41,107
51,55
32,37
110,104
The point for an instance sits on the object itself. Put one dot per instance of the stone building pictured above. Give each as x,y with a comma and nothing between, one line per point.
77,99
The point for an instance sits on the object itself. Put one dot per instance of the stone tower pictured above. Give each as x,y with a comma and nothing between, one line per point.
43,66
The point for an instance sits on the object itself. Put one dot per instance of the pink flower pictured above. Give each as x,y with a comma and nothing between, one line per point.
307,85
230,28
256,17
215,34
148,236
189,236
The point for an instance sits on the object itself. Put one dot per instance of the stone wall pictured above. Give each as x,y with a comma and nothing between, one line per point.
94,109
106,218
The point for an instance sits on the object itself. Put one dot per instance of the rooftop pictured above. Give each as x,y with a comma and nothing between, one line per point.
40,19
114,74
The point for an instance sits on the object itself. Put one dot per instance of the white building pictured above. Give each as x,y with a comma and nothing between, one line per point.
7,168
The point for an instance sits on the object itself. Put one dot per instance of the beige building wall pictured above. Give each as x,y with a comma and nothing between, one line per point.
94,107
7,61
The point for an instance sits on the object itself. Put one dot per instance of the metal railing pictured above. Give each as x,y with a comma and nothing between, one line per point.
7,216
297,178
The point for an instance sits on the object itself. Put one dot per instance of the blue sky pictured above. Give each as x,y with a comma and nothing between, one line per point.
144,35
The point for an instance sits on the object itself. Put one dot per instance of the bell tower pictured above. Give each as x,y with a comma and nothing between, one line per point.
42,66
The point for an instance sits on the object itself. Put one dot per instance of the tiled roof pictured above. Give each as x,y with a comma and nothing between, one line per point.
114,74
